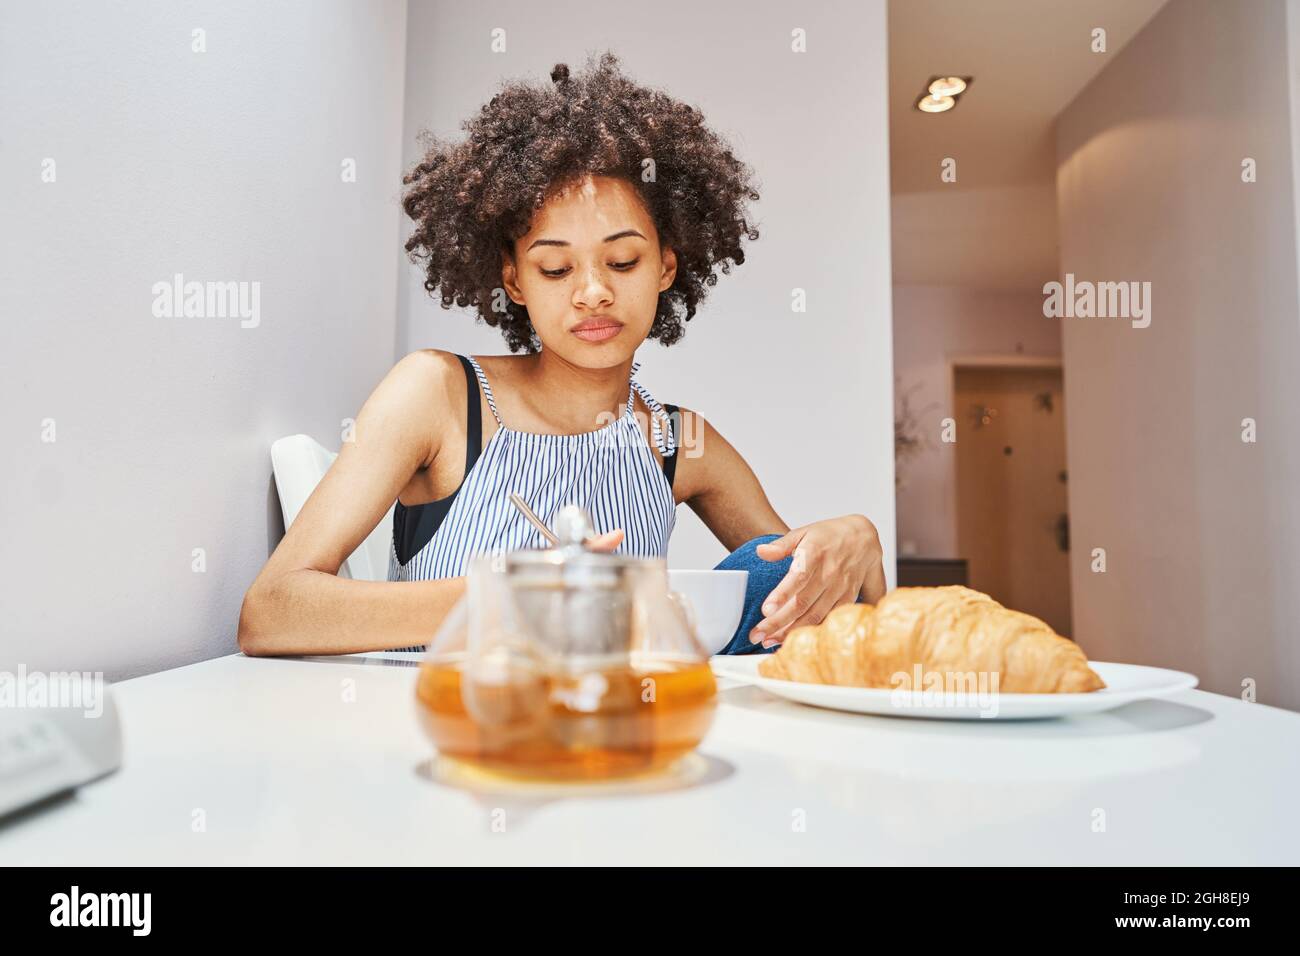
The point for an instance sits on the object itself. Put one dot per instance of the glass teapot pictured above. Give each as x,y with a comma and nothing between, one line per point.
566,664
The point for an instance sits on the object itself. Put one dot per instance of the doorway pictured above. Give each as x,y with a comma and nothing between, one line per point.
1012,503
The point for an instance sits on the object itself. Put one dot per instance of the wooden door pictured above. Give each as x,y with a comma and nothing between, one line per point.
1012,523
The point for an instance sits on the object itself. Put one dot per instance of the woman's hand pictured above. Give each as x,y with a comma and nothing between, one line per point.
835,562
605,542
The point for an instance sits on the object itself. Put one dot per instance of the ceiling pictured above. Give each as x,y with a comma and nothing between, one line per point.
995,227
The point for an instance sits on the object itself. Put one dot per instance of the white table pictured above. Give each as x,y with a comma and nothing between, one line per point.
239,760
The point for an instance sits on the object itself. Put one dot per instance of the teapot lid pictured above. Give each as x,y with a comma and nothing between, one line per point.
573,526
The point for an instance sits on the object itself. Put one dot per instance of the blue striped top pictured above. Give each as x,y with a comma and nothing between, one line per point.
610,471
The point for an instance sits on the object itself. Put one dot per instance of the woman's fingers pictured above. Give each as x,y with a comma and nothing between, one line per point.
796,579
605,542
799,603
781,547
814,615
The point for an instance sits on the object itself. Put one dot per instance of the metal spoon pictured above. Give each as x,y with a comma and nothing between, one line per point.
535,521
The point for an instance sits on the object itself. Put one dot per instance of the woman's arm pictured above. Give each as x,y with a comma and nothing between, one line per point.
719,486
835,561
297,604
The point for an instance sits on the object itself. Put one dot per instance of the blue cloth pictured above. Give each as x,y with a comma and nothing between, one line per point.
764,576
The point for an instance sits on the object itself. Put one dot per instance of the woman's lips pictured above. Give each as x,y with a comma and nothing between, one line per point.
597,331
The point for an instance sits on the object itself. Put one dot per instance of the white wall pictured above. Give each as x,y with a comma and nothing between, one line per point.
223,166
932,326
806,398
998,237
1201,530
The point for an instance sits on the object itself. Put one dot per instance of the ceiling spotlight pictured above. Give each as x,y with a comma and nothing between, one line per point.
947,86
943,93
935,104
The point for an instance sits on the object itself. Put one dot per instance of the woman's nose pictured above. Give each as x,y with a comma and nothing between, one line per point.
592,290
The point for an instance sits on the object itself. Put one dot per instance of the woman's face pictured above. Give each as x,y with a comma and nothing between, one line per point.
590,272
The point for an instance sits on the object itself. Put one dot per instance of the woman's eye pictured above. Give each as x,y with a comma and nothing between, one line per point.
620,266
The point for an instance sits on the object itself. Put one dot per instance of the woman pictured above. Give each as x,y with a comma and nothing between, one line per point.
581,220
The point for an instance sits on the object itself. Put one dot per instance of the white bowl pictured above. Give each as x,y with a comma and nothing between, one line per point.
717,600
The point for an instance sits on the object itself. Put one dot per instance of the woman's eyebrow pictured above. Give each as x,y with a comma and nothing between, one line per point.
562,242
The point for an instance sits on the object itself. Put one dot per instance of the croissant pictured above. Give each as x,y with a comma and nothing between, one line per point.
946,630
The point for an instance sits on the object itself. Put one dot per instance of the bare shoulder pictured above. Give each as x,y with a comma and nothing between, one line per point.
422,380
695,432
704,455
433,365
412,401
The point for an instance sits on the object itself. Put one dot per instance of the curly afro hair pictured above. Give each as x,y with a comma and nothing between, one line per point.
472,200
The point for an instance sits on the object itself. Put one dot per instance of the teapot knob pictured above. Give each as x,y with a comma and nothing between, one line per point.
572,526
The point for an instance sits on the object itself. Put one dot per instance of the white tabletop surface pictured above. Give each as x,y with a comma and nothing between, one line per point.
239,760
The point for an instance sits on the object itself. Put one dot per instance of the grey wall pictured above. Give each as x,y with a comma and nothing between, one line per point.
1200,528
224,166
806,398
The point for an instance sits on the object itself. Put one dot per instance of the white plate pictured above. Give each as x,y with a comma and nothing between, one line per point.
1125,683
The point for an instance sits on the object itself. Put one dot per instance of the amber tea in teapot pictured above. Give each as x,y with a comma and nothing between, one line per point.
592,724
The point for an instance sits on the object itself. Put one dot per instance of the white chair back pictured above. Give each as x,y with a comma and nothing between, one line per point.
299,463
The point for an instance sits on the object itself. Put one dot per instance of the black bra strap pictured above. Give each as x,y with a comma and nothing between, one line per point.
473,416
670,461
